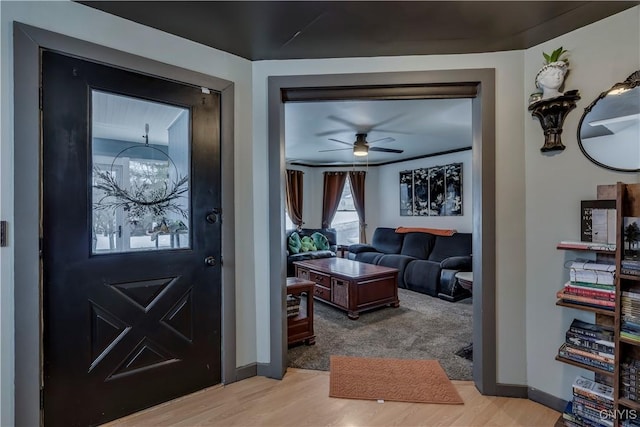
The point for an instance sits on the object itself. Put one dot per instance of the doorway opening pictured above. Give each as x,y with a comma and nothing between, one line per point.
426,140
476,84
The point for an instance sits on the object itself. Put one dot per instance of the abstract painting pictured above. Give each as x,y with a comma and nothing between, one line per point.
433,191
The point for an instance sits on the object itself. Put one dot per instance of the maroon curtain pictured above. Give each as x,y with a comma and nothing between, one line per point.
333,186
357,191
294,196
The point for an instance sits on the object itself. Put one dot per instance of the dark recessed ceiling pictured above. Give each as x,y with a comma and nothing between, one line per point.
261,30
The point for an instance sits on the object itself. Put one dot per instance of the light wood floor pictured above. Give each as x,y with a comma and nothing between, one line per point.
302,399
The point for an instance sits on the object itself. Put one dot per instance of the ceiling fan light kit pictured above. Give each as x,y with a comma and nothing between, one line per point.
360,149
361,146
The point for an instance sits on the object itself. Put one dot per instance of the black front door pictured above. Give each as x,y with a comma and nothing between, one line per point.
130,240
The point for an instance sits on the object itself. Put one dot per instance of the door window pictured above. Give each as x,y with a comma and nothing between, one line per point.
140,166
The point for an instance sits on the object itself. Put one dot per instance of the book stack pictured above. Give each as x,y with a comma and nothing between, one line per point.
592,404
630,267
590,284
589,344
293,305
630,316
630,379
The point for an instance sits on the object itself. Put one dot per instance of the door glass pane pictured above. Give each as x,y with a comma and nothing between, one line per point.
140,164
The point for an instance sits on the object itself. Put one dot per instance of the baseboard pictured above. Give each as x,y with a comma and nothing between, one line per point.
512,390
264,369
246,371
547,400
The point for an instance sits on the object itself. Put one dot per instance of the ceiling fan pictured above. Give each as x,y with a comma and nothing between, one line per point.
361,146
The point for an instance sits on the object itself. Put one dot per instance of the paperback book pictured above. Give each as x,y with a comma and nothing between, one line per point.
585,360
587,232
591,330
591,272
591,301
581,341
631,234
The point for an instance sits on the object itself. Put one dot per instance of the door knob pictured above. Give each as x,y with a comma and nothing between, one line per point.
210,261
213,216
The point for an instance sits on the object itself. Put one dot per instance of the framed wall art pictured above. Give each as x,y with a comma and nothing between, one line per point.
433,191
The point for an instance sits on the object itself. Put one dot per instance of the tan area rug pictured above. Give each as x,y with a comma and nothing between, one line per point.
402,380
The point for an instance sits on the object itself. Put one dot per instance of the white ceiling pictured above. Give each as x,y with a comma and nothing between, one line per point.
123,118
419,127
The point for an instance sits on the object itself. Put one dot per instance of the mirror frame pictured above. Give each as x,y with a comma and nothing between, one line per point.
631,82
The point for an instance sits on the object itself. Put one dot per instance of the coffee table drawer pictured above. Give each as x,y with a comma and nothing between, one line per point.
340,292
320,278
322,292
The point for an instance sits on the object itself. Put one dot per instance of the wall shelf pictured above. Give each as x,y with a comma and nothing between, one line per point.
551,113
602,311
582,365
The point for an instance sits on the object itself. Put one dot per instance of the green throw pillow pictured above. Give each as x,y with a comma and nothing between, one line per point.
307,244
321,241
295,244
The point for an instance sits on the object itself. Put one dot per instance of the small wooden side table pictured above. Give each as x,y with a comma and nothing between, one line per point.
300,327
465,279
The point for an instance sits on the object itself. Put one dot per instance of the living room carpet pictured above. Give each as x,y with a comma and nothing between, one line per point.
422,328
402,380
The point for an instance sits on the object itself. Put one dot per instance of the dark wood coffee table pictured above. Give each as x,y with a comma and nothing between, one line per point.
350,285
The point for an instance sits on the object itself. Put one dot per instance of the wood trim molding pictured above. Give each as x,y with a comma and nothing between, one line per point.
246,371
547,399
378,92
310,87
441,153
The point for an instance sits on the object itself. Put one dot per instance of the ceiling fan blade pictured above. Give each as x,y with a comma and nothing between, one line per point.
385,150
393,131
332,132
387,139
352,126
384,122
335,149
350,144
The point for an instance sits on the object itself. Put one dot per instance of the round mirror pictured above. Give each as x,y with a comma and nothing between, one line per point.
609,131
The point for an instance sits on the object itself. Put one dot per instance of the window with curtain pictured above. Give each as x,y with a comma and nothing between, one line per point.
293,206
288,224
346,221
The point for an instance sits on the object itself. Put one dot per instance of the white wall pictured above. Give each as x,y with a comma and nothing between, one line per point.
76,20
389,189
600,55
510,233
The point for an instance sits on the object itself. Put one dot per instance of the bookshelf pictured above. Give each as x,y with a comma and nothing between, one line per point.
627,205
627,198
